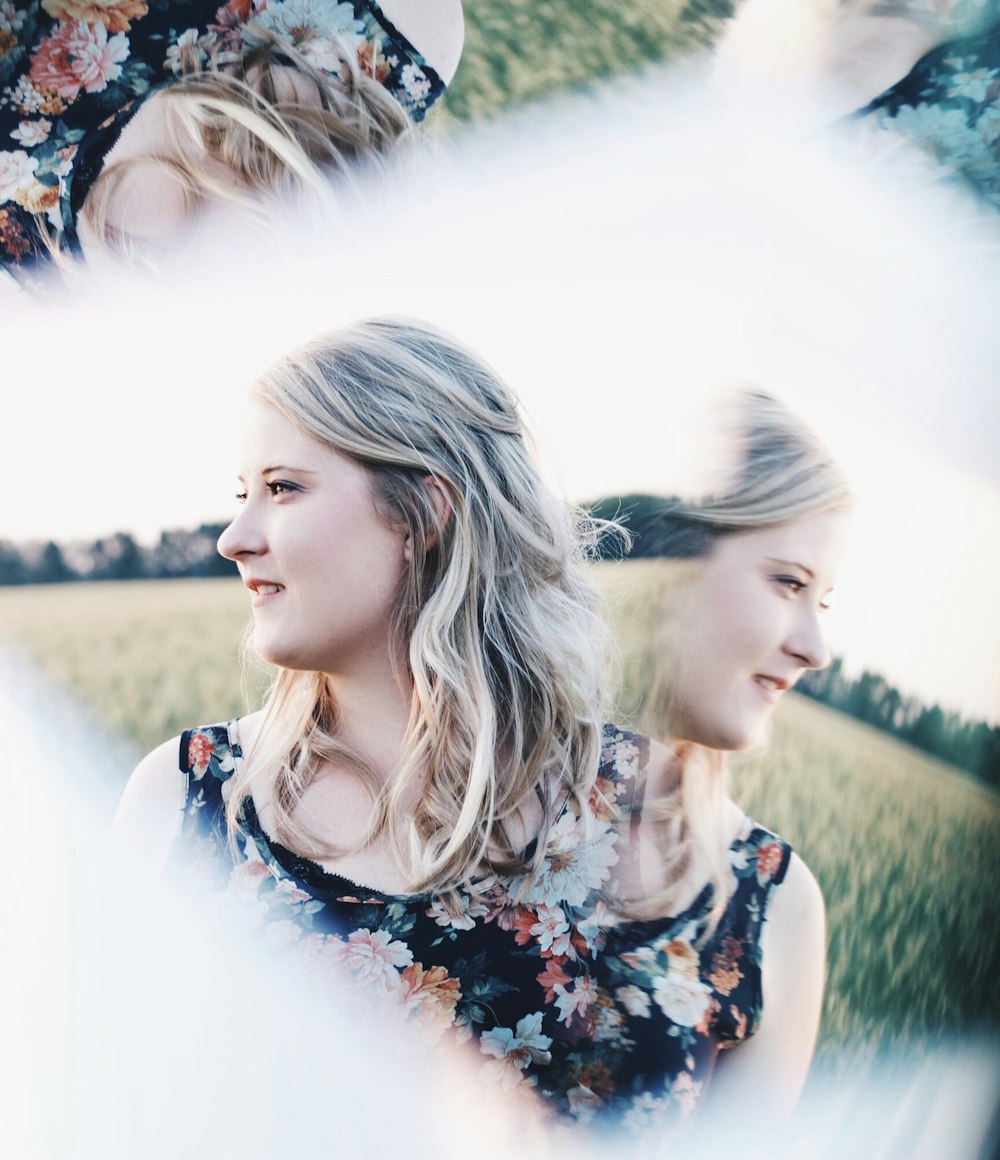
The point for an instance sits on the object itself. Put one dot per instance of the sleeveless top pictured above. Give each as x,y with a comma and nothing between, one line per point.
74,72
614,1023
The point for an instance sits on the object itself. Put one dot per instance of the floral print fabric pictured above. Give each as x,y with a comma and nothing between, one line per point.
949,105
612,1023
73,72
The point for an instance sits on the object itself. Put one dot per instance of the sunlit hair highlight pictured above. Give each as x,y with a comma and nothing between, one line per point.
504,635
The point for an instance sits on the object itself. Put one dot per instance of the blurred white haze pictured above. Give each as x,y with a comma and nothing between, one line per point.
619,256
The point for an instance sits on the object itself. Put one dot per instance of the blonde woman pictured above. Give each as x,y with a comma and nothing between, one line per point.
120,117
430,806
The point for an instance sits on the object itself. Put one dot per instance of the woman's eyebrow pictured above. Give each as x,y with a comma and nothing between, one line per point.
792,564
286,467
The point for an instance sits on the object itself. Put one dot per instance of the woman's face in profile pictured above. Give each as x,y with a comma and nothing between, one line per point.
750,626
322,566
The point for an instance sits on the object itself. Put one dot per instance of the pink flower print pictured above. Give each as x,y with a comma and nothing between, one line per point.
200,753
77,56
428,998
553,976
768,861
575,1001
375,959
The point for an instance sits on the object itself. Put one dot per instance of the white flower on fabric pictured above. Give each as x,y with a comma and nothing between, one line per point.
32,133
634,1000
946,131
17,171
575,864
575,1001
189,39
974,85
583,1103
25,96
300,21
592,928
11,17
551,930
374,958
515,1050
683,1000
623,754
415,83
464,920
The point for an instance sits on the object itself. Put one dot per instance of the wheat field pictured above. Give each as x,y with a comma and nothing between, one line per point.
905,849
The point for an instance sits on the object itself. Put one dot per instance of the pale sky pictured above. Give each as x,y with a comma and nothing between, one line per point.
617,264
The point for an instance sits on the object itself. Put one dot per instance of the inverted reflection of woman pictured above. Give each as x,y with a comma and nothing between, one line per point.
429,804
119,117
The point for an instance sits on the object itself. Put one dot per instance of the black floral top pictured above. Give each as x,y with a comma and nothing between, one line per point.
949,105
73,73
614,1023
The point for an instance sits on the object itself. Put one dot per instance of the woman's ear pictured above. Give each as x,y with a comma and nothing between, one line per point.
441,502
437,491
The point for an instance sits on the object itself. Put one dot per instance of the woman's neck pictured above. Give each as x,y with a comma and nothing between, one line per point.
373,713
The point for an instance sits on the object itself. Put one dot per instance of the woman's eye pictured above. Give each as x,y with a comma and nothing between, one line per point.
241,497
280,487
792,583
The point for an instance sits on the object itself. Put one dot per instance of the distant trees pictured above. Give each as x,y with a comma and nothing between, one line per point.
178,553
971,745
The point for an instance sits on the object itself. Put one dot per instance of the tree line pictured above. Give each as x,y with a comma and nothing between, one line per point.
177,553
971,745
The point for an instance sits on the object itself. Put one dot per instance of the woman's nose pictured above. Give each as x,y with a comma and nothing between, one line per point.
241,539
807,641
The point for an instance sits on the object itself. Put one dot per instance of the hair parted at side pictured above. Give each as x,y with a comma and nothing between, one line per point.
253,116
769,468
507,644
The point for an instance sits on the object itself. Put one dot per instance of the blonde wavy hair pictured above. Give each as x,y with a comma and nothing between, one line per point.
506,639
250,118
771,469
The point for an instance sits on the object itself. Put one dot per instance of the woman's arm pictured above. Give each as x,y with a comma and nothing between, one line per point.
762,1077
435,28
149,812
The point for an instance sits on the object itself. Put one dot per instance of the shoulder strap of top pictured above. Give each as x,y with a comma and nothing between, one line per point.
624,762
207,759
388,56
759,861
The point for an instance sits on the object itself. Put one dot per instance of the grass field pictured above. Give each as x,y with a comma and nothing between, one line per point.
905,849
517,51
